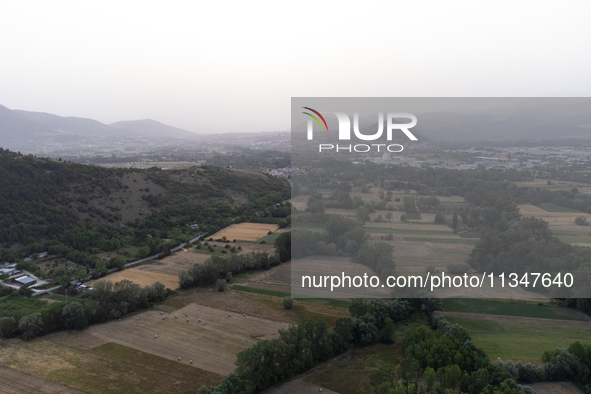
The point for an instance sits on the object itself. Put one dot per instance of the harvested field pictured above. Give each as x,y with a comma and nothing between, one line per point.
16,382
413,257
298,386
515,319
245,231
264,306
108,368
561,223
555,388
140,277
278,279
175,263
212,344
300,202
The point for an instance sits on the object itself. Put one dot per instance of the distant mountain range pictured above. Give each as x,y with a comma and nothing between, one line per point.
27,130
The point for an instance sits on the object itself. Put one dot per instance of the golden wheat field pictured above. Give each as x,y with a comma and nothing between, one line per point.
245,231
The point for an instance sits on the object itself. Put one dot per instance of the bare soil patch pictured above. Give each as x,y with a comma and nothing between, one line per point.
245,231
212,344
16,382
141,277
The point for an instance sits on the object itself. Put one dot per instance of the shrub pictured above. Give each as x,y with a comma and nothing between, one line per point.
221,285
287,302
31,325
387,331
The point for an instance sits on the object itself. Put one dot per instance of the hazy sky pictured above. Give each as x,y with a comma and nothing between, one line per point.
233,66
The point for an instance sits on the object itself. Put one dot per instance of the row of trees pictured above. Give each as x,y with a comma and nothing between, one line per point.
29,318
299,348
216,267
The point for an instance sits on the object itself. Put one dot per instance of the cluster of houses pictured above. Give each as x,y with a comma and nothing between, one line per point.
11,271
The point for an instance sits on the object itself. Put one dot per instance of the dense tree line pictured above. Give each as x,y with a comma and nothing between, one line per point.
299,348
31,317
216,267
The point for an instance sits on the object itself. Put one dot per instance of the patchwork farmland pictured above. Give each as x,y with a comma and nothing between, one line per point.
212,343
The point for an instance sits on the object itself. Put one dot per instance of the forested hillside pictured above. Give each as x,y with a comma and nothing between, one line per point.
78,210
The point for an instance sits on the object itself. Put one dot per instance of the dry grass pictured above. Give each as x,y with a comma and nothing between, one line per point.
245,231
175,263
108,368
277,279
16,382
260,305
560,222
140,277
212,344
300,202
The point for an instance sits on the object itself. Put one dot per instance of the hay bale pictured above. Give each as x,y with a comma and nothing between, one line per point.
155,336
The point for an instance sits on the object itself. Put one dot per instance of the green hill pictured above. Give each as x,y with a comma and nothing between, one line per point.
77,211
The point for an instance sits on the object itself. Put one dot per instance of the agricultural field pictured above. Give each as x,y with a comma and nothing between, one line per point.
298,386
15,382
140,277
556,208
266,304
175,263
211,343
512,308
331,265
412,257
277,279
555,388
518,340
105,368
245,231
562,185
577,240
561,223
300,202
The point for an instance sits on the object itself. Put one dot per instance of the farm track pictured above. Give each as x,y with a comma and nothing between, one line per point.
515,319
14,382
